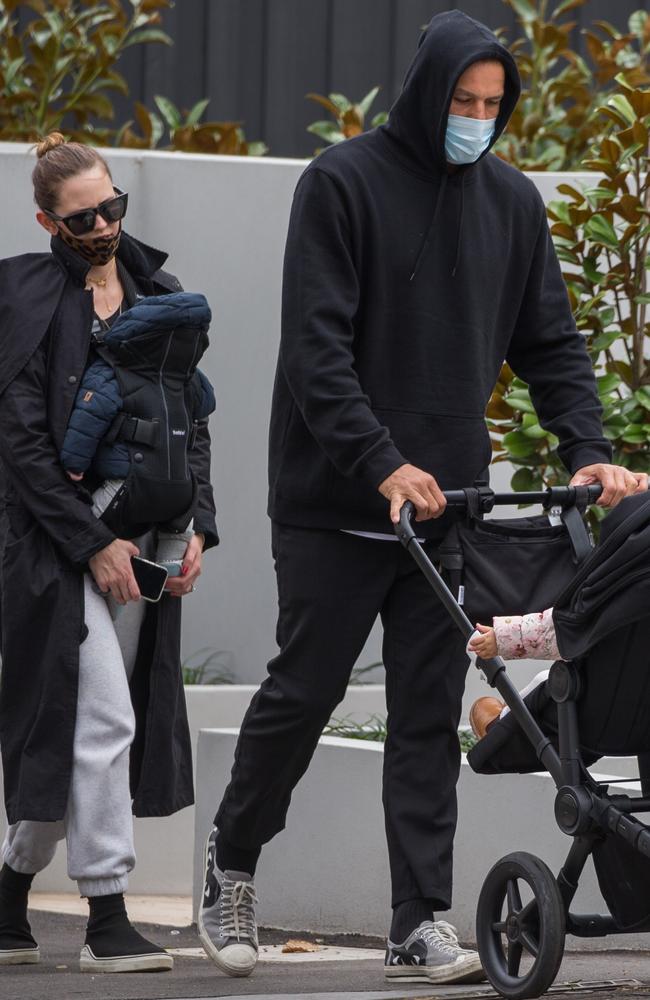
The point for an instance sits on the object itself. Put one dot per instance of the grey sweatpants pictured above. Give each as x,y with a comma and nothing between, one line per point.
98,824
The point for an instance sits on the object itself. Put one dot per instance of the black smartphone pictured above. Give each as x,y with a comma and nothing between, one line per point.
150,578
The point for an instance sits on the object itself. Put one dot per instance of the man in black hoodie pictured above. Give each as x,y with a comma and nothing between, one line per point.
415,263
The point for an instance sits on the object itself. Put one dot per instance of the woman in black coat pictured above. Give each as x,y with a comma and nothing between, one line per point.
93,725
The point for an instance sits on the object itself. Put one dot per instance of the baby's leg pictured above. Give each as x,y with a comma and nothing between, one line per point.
104,494
536,681
171,549
102,497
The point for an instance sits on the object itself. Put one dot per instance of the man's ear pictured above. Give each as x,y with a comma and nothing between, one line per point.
47,223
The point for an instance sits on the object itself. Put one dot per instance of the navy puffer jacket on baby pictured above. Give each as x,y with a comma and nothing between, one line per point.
162,337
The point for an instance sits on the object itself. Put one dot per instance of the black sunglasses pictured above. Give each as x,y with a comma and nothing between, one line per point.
80,223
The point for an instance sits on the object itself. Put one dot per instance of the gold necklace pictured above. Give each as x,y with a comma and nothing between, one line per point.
101,281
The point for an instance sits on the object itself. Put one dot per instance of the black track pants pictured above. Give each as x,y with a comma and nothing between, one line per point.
331,587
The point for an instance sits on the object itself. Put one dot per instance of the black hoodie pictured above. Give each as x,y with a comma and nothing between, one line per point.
405,287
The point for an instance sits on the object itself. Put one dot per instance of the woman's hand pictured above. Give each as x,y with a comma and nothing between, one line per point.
112,570
178,586
485,645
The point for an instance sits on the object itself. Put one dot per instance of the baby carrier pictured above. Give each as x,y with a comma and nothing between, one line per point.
594,703
138,411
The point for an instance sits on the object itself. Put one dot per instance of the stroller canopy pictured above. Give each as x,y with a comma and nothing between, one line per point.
612,587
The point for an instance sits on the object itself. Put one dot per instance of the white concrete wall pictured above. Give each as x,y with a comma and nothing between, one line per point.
223,221
328,870
164,845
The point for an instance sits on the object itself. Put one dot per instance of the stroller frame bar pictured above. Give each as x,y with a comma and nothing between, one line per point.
494,669
584,809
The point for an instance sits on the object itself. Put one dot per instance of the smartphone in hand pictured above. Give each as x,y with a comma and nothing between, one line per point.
150,578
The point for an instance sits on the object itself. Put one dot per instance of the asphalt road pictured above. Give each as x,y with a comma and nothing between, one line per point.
60,938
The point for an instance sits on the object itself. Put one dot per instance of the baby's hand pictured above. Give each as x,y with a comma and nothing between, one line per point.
484,645
75,476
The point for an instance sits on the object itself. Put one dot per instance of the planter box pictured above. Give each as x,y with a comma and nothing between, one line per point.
328,870
164,845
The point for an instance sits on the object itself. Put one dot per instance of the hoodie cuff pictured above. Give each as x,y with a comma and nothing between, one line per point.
582,457
379,465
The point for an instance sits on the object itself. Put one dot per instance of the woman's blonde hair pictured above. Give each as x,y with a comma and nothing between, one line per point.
57,160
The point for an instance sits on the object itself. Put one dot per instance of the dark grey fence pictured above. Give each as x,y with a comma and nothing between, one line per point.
256,59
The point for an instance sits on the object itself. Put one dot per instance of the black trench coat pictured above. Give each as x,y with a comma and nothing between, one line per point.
50,532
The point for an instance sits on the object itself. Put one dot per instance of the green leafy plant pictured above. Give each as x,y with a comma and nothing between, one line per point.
360,675
349,117
186,131
374,730
206,666
58,71
559,115
602,233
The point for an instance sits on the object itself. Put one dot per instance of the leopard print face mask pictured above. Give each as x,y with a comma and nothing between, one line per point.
99,250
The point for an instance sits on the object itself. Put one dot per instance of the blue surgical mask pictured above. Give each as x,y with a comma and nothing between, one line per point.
467,138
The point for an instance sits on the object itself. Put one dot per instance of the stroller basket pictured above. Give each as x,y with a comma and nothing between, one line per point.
564,726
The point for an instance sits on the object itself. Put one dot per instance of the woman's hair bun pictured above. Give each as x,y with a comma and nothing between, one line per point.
50,141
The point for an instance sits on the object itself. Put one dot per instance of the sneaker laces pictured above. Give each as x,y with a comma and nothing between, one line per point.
237,918
443,936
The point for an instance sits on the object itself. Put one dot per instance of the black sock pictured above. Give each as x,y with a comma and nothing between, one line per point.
109,932
236,859
15,931
15,883
409,915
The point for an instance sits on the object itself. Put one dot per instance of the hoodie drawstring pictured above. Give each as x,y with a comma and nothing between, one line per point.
459,234
434,218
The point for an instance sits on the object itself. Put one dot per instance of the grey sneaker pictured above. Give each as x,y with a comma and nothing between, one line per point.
226,922
431,954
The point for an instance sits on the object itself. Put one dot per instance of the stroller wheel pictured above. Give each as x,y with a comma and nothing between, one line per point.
520,926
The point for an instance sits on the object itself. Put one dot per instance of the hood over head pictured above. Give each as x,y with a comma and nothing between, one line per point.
448,46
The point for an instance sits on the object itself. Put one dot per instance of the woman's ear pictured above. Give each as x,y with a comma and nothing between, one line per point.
47,223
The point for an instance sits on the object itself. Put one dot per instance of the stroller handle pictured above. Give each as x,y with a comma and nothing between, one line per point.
486,499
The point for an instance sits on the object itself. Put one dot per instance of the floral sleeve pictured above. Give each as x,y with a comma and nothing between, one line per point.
532,636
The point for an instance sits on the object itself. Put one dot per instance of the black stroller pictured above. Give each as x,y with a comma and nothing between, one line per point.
594,703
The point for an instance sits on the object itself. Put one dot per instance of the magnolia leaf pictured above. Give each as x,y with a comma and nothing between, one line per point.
622,105
599,230
325,102
635,433
327,131
637,22
591,271
169,111
518,445
534,430
565,232
573,193
525,481
523,405
565,6
604,340
148,35
622,369
561,210
196,112
341,102
524,8
257,149
607,383
642,396
365,102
